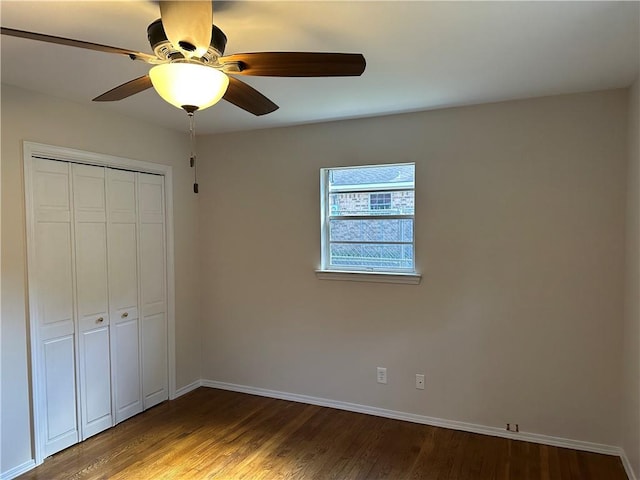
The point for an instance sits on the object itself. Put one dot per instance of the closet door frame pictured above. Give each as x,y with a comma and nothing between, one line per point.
33,151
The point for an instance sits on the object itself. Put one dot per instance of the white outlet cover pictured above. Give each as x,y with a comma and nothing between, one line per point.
382,375
419,381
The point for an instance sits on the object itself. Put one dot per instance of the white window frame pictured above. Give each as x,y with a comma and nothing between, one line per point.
373,274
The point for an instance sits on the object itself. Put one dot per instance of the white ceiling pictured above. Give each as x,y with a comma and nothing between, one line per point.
420,55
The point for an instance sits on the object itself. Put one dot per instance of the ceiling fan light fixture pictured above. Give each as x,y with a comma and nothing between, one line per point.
189,84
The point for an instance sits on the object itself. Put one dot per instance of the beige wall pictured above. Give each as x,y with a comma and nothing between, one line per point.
520,238
29,116
631,424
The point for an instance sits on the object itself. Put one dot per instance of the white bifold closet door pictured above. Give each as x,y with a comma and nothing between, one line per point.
97,278
122,218
52,276
90,218
153,288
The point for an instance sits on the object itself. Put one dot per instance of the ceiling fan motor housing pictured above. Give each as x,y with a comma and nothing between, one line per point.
164,50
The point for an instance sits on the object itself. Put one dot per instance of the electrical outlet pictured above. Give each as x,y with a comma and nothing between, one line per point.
382,375
419,381
513,427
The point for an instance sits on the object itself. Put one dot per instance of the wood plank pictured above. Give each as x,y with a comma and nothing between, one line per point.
216,434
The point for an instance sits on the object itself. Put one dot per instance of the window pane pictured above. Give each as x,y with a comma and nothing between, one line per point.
374,230
389,174
380,201
375,204
371,256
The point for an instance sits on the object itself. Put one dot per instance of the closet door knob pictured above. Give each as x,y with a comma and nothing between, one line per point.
100,320
125,315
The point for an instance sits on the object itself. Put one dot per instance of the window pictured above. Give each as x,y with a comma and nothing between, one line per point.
368,219
380,201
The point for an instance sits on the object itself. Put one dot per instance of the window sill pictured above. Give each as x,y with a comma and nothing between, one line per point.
376,277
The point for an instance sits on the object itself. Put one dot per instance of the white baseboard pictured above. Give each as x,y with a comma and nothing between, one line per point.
17,471
187,388
432,421
627,466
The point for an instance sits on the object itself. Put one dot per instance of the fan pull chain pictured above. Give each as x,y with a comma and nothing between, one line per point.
192,158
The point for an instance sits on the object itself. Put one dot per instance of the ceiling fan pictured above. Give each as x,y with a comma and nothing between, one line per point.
188,60
191,72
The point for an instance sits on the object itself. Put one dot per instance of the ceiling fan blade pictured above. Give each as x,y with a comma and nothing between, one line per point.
248,98
298,64
125,90
187,25
78,43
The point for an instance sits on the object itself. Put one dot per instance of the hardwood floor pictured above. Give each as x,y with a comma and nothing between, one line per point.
215,434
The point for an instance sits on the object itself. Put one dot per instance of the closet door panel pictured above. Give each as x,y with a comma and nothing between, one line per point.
54,279
153,289
152,246
96,392
91,259
127,361
123,292
60,393
92,298
123,265
155,366
52,288
122,196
